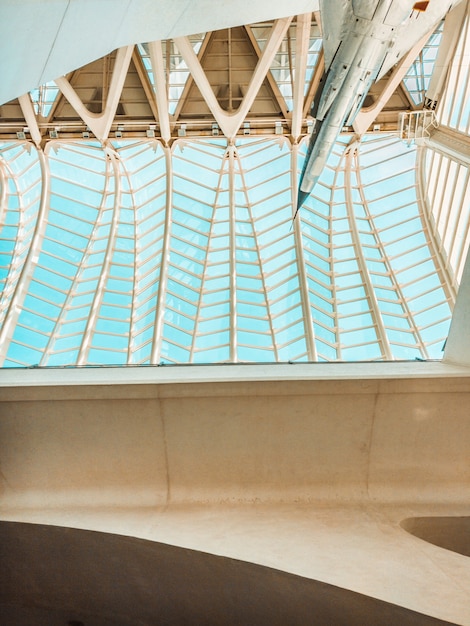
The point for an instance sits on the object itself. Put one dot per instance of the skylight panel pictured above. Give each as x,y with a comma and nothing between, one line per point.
127,273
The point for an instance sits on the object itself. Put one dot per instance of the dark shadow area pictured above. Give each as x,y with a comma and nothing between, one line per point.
54,576
451,533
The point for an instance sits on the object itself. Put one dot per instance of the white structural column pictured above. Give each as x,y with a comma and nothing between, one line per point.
303,283
361,261
158,69
230,123
164,264
87,339
100,123
232,254
301,57
30,118
450,37
14,309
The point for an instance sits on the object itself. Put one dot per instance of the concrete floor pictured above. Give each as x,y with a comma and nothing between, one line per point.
52,576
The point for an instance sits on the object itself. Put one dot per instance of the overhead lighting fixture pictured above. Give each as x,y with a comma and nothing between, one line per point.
54,133
215,129
278,128
182,130
86,134
119,131
21,134
151,131
246,128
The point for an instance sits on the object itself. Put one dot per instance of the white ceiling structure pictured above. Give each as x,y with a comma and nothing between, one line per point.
147,193
150,158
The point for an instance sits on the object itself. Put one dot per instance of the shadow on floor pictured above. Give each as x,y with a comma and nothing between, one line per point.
54,576
451,533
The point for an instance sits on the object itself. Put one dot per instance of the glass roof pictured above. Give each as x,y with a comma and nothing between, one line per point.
130,269
143,251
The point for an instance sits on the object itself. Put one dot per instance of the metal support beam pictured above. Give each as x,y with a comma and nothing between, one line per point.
100,123
30,118
230,123
269,77
146,84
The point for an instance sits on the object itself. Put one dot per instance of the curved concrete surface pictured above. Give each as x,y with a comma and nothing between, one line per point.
53,576
451,533
282,467
45,40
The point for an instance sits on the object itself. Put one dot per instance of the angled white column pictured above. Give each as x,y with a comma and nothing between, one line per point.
30,118
231,122
100,123
158,69
301,56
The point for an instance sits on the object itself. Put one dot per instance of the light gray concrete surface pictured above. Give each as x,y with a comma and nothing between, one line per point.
312,476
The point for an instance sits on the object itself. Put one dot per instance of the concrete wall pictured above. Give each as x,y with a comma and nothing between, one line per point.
148,445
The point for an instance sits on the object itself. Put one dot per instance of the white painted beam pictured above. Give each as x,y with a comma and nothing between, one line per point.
100,123
158,69
30,118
